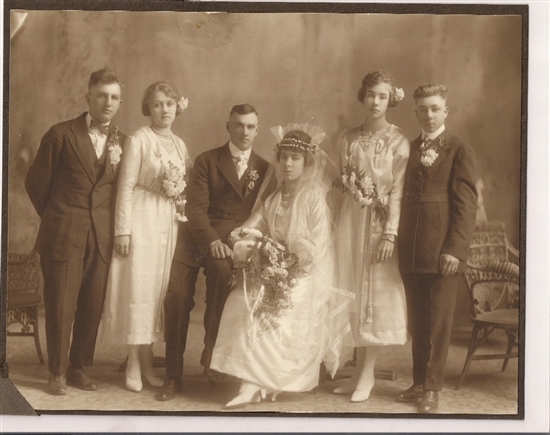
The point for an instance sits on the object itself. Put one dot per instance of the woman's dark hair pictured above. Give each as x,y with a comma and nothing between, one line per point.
374,78
161,86
295,141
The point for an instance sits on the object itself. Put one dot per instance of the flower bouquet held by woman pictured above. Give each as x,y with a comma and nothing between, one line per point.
283,317
150,202
373,160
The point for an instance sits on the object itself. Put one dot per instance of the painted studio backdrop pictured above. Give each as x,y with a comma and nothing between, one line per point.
292,67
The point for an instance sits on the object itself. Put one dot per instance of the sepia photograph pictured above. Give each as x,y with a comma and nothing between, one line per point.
265,210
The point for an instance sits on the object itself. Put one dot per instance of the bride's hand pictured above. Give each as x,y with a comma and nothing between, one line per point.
122,245
385,250
242,233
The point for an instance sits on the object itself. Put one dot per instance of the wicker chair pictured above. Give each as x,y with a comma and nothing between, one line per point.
492,282
24,297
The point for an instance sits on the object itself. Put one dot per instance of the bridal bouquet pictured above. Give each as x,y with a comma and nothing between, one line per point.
359,186
172,184
270,272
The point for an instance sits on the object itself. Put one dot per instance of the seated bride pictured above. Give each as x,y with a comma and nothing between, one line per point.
283,317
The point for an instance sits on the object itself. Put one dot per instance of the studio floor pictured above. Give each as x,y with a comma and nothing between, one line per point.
485,391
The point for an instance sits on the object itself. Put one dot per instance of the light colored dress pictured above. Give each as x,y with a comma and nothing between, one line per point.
380,317
288,358
133,309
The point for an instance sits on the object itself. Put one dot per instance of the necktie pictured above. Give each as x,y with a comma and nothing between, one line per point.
102,129
241,165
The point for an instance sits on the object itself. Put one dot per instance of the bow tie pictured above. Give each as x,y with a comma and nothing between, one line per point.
426,143
102,129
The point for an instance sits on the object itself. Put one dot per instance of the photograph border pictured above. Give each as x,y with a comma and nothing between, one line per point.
236,7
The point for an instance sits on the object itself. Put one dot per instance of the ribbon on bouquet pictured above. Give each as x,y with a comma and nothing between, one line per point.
365,296
251,305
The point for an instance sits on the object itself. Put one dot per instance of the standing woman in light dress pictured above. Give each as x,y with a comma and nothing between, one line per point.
366,248
154,164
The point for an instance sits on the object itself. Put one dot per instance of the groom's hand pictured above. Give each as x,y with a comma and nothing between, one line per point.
448,264
220,250
122,245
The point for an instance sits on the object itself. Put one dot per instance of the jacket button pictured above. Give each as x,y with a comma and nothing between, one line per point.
226,202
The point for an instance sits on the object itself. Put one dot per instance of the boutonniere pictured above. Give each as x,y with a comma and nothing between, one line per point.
115,150
251,179
428,157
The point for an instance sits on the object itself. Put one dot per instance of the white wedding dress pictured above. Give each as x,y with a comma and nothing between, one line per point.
313,330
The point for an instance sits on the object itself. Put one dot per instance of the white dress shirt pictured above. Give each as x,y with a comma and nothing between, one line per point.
433,135
237,153
98,140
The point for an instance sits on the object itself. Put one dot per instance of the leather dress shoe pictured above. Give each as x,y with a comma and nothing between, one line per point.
168,389
412,394
57,385
80,379
429,402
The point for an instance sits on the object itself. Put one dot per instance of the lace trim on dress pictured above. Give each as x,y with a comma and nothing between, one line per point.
168,145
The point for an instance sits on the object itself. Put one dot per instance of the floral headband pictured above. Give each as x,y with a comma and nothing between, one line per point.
316,133
182,103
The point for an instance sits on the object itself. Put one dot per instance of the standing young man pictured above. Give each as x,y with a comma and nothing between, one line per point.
437,221
222,189
72,185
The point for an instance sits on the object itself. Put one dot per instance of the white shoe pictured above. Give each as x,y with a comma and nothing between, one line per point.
133,384
362,395
243,399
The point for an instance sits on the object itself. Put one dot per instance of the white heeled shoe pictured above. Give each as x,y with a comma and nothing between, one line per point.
274,393
133,384
362,395
243,399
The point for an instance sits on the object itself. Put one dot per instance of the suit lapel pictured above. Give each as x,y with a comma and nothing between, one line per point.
82,146
415,155
227,167
442,145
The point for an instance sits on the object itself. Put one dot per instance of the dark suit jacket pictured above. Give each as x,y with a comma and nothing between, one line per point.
216,202
70,193
438,209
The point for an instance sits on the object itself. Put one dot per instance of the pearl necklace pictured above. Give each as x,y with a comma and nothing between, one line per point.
162,134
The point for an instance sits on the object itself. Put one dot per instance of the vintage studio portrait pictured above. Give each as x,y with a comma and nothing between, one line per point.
266,212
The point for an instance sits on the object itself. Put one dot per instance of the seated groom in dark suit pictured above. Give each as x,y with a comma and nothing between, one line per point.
222,190
72,185
437,221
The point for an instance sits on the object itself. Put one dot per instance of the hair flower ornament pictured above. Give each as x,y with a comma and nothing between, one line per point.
183,103
399,94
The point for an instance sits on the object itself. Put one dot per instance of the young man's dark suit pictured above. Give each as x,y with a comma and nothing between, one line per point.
73,191
437,217
217,203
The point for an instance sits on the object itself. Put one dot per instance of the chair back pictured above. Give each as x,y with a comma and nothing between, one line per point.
492,275
23,280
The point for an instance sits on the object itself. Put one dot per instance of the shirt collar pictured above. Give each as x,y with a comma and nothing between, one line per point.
433,135
89,121
236,152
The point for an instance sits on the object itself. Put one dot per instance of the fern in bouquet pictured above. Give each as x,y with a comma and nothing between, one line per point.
359,186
